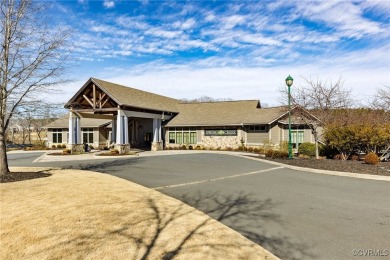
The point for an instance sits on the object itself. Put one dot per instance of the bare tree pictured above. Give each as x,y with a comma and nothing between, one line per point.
203,99
32,59
382,99
319,97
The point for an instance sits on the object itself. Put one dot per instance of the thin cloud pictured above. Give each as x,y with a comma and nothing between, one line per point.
108,4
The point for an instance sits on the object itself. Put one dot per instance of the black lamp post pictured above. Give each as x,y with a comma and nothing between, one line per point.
289,82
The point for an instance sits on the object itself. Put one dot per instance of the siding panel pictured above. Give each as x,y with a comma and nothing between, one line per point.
257,138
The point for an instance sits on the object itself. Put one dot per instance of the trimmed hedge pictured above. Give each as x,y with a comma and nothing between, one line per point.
276,154
308,149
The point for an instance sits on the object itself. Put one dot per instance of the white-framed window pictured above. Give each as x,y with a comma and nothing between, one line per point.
57,135
87,135
182,135
297,137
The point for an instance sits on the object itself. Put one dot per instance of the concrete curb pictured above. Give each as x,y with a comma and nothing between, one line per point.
334,173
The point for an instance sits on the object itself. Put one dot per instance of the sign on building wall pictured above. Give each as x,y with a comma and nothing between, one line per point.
220,132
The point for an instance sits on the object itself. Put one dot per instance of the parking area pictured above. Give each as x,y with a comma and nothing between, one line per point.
293,214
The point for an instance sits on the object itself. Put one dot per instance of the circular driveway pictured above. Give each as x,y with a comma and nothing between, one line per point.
293,214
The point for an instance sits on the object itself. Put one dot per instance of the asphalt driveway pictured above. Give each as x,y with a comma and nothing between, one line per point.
293,214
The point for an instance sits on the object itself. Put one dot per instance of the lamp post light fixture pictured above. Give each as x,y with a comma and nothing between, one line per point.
289,82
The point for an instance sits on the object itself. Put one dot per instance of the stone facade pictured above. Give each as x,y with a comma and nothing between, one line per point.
75,148
122,148
221,142
157,146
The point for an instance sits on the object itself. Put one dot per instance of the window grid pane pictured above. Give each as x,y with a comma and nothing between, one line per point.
186,138
178,138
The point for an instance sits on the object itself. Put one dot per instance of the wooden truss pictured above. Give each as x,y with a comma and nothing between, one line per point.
94,98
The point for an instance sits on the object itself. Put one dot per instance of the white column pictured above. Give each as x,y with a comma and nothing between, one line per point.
125,129
113,130
78,131
74,129
156,130
122,128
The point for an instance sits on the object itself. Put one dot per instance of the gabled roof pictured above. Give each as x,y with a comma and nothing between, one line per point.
225,113
63,122
130,97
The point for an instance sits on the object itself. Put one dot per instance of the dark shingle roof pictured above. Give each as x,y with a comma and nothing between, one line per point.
63,122
225,113
137,98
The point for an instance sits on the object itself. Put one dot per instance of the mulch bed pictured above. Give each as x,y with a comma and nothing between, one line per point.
22,176
382,168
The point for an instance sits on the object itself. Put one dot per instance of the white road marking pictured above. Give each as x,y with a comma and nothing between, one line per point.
215,179
39,158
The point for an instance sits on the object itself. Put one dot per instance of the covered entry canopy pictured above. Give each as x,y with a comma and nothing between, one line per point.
105,100
99,96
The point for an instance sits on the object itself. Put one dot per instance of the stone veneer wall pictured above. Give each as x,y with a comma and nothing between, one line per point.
221,141
212,142
122,148
75,148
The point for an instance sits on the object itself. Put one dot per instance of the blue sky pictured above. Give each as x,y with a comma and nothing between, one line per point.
228,49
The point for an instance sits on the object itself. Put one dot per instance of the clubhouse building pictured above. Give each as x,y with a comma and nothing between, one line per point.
105,114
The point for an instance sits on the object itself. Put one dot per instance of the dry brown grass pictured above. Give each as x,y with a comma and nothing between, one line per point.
85,215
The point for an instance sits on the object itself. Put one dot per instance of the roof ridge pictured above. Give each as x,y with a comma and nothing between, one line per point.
222,101
123,86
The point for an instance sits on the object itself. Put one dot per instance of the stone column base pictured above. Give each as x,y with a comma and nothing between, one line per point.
122,148
157,146
75,148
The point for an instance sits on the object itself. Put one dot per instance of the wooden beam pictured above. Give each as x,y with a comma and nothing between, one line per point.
94,95
102,105
89,101
97,116
101,99
111,109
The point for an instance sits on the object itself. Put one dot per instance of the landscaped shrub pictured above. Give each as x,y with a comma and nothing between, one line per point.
276,154
338,157
354,157
371,158
256,150
183,147
283,146
63,146
53,146
308,149
250,149
66,151
114,151
241,148
329,151
59,146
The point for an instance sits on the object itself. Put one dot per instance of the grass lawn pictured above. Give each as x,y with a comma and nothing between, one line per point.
80,214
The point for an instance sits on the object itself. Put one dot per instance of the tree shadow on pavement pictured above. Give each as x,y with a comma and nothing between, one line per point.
111,166
248,216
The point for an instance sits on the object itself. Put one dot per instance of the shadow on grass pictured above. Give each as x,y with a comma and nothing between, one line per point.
23,176
166,230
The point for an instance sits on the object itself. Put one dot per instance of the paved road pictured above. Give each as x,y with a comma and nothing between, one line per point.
293,214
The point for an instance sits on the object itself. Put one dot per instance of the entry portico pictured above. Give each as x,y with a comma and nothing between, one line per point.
135,114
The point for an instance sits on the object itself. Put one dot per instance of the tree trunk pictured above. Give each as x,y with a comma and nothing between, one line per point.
3,154
316,143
